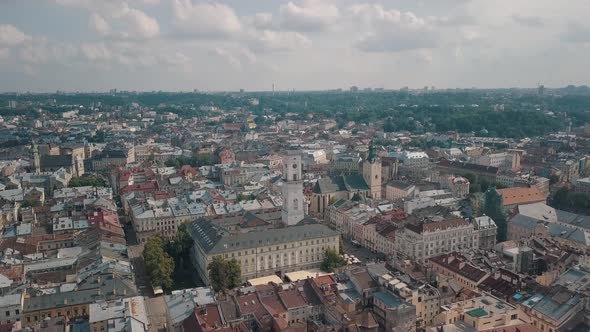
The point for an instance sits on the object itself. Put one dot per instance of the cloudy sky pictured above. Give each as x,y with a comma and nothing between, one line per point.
96,45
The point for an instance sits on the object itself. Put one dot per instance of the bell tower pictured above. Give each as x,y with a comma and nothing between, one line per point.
36,159
372,172
293,200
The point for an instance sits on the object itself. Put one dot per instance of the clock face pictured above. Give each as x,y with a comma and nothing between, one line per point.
294,165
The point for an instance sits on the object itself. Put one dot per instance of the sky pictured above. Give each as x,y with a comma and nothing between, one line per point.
226,45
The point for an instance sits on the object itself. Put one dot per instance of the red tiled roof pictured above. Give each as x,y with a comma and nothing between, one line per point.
437,225
292,299
518,195
458,264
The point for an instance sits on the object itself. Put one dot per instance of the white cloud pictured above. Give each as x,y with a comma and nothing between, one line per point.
267,40
577,33
11,36
228,56
96,52
531,21
311,15
117,18
263,21
40,51
4,53
379,42
205,19
390,30
139,24
98,24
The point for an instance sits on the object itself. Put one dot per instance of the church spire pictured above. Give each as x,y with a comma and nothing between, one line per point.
372,152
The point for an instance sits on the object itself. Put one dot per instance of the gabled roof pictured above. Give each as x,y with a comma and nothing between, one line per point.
211,240
521,195
354,182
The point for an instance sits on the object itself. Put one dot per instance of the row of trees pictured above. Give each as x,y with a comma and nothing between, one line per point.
494,208
565,199
158,263
195,161
87,181
161,257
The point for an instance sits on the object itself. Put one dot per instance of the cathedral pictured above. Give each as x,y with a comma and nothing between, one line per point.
368,184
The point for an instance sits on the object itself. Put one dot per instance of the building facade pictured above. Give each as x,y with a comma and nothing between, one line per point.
293,200
423,240
263,253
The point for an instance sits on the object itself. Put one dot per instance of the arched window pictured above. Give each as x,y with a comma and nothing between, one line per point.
295,204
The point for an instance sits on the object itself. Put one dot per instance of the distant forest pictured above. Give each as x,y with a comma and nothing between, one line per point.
523,113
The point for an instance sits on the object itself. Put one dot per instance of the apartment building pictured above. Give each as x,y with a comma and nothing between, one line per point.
481,313
422,240
346,216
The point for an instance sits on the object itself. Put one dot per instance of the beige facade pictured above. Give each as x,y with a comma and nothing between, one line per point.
264,253
396,190
372,176
482,313
419,242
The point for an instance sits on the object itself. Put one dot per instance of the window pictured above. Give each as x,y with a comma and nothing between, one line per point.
7,313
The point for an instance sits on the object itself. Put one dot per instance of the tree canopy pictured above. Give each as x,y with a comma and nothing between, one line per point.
158,263
180,246
224,274
493,208
197,161
87,181
565,199
332,261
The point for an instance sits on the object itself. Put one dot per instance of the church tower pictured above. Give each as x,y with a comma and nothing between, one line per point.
372,172
37,159
293,201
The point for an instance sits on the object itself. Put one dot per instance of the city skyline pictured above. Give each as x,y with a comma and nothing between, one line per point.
82,45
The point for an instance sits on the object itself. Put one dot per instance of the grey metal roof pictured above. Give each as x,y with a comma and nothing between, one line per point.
557,303
524,221
211,241
337,183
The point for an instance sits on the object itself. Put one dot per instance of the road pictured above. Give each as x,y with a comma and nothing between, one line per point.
363,254
156,310
135,250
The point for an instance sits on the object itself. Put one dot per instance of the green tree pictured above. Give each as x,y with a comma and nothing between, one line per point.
332,261
234,273
341,245
493,208
87,181
561,199
224,274
180,246
356,197
565,199
158,263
